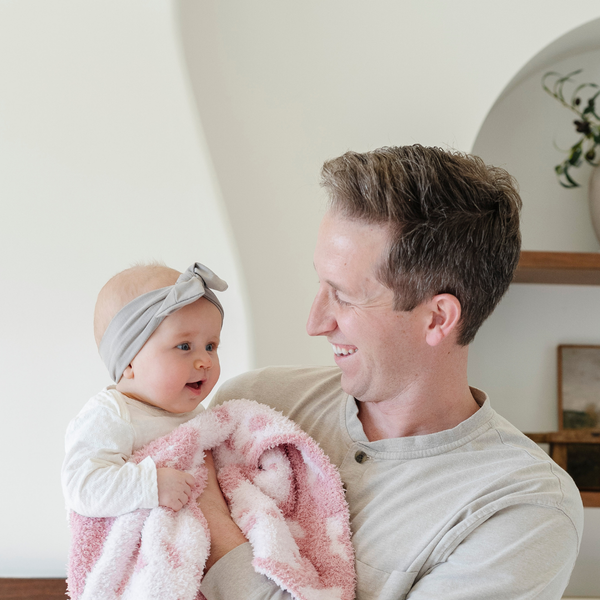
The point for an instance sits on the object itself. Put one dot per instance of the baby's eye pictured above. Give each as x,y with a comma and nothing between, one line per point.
211,347
185,346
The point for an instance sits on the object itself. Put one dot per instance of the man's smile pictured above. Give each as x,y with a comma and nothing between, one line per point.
343,350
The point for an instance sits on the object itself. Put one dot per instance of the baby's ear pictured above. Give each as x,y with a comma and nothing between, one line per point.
128,372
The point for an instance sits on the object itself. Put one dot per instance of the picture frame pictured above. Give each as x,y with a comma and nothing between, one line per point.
579,413
578,387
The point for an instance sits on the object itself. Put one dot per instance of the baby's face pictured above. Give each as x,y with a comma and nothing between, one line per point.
178,366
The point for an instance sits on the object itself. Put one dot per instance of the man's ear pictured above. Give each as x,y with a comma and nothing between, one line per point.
128,372
445,312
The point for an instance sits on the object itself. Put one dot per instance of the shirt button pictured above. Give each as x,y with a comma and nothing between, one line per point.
360,457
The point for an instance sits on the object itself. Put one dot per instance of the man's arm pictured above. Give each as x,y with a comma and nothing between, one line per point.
229,574
225,535
522,552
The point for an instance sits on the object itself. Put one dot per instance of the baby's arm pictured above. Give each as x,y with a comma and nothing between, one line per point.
97,479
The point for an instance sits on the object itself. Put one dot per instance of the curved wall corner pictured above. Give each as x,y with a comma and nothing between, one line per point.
585,38
101,166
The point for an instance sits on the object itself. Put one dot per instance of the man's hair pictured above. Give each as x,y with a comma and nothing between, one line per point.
454,224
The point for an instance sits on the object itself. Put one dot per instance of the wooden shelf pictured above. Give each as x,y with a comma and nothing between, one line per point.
567,436
573,268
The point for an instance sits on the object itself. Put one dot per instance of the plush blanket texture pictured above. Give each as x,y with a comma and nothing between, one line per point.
283,493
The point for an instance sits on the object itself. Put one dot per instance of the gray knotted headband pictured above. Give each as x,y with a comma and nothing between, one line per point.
131,327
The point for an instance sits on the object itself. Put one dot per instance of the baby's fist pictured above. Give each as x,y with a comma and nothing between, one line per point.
174,487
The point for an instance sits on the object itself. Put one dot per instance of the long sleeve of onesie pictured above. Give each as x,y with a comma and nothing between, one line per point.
97,479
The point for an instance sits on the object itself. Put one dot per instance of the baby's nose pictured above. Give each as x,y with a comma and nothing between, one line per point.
202,363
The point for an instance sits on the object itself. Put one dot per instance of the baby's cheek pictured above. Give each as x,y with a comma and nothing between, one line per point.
169,380
216,370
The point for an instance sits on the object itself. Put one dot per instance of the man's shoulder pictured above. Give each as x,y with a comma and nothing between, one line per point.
534,476
270,384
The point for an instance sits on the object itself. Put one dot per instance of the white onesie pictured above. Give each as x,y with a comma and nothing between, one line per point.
97,479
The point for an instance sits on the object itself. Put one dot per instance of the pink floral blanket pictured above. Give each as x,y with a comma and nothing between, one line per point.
282,491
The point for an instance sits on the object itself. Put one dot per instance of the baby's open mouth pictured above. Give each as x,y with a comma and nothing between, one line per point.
195,385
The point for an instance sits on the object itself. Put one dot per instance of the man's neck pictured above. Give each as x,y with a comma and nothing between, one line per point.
437,401
404,417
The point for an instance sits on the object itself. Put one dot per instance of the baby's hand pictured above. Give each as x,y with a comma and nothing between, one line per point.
174,487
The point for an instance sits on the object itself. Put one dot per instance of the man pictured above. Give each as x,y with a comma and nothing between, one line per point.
447,499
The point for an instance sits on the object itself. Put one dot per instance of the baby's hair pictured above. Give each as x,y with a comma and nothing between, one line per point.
125,287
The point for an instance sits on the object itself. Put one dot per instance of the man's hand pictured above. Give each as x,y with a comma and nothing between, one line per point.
174,487
225,535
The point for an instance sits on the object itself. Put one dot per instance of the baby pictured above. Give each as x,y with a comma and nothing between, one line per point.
158,333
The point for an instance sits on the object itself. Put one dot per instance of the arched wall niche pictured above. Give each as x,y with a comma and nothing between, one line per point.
523,132
582,39
527,132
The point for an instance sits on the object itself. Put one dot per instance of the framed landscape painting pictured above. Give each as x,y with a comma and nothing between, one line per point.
579,411
579,387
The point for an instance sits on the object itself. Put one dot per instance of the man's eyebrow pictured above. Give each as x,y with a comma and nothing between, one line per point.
336,287
332,284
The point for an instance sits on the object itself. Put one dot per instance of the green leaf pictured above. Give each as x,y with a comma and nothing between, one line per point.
589,108
572,183
559,85
544,86
556,90
576,91
575,157
592,103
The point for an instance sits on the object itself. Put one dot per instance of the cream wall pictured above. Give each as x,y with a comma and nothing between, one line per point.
102,163
280,87
97,123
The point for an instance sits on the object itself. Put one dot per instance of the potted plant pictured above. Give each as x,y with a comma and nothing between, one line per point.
582,102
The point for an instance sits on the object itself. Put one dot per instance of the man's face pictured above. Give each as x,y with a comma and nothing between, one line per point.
377,348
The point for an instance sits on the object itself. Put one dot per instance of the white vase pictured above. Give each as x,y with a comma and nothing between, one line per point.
594,199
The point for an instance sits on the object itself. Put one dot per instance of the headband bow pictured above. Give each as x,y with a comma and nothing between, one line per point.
131,327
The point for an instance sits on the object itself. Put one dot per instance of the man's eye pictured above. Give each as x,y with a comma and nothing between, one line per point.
339,300
184,346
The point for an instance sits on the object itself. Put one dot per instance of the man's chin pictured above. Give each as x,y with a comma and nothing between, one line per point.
350,387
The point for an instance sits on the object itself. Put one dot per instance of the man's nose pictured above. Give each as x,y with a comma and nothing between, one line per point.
320,319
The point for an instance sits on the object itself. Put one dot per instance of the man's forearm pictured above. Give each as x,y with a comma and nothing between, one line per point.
225,535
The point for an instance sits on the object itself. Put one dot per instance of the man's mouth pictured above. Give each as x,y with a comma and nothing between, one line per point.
343,350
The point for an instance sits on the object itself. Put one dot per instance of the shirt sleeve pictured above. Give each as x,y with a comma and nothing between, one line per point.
233,577
522,552
97,479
